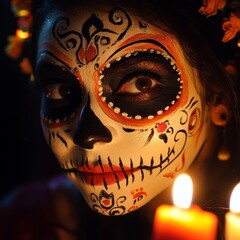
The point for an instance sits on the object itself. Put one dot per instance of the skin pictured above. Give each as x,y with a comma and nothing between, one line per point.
121,106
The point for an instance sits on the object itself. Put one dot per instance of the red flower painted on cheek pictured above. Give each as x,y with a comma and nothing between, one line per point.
161,127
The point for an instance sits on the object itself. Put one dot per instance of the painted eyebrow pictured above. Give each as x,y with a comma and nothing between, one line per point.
143,41
48,53
47,71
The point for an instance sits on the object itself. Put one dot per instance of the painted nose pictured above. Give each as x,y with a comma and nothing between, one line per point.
90,130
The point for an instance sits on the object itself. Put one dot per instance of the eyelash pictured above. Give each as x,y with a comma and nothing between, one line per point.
136,80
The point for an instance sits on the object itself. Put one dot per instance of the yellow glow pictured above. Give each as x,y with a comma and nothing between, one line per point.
23,13
235,199
21,34
183,191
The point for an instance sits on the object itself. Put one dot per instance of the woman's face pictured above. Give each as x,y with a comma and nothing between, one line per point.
120,108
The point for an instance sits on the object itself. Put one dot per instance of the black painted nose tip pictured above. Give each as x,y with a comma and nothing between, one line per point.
90,130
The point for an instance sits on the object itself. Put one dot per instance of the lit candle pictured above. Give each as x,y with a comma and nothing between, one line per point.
232,218
183,221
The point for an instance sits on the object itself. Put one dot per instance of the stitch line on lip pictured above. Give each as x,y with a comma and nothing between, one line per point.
101,179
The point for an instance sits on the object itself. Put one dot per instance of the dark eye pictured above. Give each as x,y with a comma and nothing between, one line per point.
137,83
58,91
144,84
61,100
62,93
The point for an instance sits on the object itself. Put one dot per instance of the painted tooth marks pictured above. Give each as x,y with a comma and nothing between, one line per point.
105,184
123,170
141,164
152,163
115,175
100,163
131,165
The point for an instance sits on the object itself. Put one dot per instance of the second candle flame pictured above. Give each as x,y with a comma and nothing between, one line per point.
183,191
235,199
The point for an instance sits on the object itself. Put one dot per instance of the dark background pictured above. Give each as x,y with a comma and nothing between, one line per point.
24,154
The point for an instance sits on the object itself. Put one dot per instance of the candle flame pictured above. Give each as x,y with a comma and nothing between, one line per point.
183,191
235,199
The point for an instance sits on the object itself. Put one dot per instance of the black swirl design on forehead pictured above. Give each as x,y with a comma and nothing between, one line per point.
147,65
84,43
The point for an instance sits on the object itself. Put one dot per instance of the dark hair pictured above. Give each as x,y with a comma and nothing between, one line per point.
177,20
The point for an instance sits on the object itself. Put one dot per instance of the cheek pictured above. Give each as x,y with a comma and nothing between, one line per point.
59,136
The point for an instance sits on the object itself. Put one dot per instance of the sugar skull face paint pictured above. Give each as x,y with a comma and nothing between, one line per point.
120,109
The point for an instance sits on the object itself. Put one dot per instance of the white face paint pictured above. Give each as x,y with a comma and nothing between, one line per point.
120,110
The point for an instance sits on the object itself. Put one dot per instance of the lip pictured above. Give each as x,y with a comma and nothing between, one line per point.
103,175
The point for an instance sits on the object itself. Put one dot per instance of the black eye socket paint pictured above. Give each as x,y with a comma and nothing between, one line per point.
149,84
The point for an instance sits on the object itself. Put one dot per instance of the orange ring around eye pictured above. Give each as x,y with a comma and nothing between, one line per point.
144,121
119,117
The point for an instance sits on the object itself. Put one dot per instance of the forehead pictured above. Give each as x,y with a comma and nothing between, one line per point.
93,31
90,19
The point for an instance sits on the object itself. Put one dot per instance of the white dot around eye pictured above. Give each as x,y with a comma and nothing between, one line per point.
138,117
124,114
117,110
110,104
159,112
108,65
128,55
